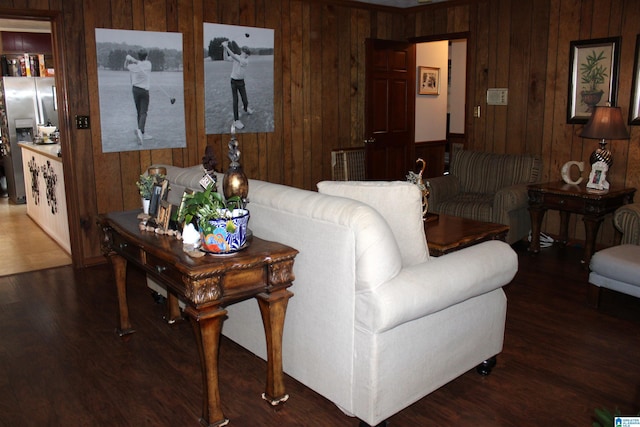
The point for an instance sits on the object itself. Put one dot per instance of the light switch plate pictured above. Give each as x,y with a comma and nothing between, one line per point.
497,96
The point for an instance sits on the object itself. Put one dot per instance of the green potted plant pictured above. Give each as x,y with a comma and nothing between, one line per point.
592,74
222,222
145,186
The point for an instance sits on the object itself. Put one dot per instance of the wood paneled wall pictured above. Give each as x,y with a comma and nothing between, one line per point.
524,46
319,86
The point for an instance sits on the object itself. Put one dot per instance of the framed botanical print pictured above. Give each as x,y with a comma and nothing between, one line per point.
593,76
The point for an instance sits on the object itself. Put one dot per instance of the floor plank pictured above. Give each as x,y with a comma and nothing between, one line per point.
62,364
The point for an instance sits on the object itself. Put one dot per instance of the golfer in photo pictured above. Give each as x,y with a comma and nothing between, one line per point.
140,74
240,63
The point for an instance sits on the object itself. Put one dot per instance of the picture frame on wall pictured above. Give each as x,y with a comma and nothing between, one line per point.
428,80
634,105
593,76
140,89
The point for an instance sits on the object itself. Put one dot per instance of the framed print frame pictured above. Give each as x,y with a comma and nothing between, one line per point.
164,215
124,57
598,176
593,76
634,105
428,81
158,194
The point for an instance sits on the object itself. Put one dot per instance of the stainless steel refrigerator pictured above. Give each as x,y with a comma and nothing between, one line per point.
25,102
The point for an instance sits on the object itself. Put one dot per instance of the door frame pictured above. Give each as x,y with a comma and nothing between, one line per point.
55,17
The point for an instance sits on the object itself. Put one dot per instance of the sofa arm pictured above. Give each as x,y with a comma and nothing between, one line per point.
442,188
426,288
627,221
508,199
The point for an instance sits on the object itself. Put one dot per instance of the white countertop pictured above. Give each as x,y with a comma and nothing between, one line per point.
49,150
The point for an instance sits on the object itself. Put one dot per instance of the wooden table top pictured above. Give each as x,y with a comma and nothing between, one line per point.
450,233
579,191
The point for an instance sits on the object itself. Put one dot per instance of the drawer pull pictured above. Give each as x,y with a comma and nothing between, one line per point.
160,268
562,202
123,245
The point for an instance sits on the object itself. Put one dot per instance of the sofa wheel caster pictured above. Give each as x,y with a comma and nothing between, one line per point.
485,367
382,424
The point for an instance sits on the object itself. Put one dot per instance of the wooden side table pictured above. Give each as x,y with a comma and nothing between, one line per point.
594,205
207,284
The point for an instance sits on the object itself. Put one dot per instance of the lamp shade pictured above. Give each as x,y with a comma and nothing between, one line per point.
605,123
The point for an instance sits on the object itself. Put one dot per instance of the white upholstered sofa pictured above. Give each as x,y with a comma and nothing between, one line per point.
375,324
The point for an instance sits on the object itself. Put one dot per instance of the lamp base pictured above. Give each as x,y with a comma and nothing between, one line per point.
601,154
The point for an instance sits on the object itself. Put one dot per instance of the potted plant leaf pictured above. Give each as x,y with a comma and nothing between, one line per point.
592,74
222,222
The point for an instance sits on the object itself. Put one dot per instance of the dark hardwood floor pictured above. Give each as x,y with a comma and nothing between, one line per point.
62,365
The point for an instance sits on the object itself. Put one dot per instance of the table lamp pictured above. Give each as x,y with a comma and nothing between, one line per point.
604,123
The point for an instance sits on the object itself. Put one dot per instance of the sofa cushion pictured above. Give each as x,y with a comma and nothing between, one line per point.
469,205
399,203
620,263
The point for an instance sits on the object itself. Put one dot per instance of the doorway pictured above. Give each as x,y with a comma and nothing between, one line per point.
25,246
425,125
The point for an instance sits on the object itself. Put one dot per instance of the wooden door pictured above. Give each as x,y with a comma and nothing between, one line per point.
389,109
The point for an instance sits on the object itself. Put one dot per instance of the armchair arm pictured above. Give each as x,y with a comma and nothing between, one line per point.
426,288
442,188
508,199
627,221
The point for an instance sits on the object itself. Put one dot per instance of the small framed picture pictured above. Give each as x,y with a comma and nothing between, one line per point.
156,197
598,176
428,81
164,215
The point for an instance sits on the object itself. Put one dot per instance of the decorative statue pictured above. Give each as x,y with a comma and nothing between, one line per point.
424,187
235,182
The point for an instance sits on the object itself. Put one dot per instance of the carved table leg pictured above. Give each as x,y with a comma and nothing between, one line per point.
120,272
207,327
537,215
273,307
564,227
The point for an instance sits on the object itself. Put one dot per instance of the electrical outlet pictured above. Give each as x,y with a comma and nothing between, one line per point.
82,122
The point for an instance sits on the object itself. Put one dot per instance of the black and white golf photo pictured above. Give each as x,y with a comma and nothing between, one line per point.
238,77
141,90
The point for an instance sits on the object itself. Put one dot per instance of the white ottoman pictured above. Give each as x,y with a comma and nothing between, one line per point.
616,268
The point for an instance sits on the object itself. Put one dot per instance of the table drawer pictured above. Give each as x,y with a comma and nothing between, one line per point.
563,203
125,249
164,269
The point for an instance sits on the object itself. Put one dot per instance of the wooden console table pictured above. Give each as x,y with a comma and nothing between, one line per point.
206,285
578,199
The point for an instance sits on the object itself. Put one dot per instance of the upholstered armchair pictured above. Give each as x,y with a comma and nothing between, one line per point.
487,187
627,220
618,267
